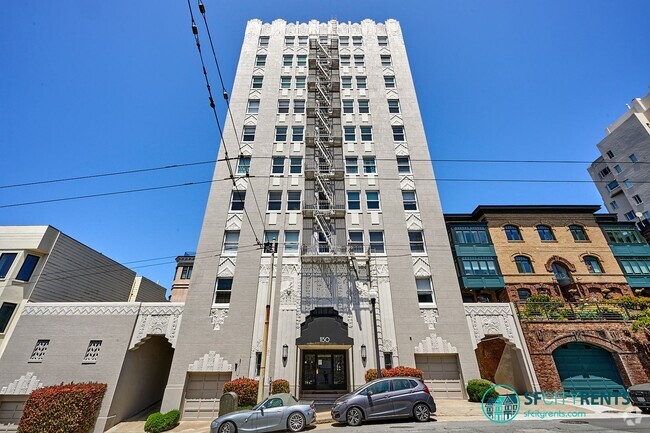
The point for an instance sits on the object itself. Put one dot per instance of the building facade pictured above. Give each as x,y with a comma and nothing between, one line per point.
182,276
333,165
621,172
563,268
42,264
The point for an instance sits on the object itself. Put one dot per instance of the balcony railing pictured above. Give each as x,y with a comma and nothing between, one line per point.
576,311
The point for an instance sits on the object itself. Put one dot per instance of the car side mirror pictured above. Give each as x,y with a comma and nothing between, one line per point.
262,410
369,394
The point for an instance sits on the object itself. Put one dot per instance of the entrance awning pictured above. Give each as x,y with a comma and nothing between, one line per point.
324,327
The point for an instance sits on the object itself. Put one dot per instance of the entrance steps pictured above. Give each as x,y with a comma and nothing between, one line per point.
323,400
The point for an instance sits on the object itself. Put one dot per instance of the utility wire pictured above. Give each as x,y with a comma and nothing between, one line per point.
195,32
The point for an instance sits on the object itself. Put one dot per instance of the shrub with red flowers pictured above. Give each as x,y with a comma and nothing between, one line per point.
70,408
394,372
279,386
246,390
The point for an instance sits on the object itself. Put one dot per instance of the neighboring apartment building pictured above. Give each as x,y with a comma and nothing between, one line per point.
42,264
333,164
182,276
622,172
579,259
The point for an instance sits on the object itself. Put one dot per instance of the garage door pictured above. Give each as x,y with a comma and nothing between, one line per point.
586,368
11,409
441,374
202,395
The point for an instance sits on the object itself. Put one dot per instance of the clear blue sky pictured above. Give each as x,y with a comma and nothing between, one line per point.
88,87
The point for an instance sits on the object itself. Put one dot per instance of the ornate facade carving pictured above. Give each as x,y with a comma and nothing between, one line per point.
430,317
211,361
157,319
435,344
23,385
82,309
227,267
421,266
413,221
218,317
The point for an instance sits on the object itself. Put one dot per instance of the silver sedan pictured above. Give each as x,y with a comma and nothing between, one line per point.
277,412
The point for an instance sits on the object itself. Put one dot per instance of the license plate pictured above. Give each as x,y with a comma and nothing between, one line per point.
640,398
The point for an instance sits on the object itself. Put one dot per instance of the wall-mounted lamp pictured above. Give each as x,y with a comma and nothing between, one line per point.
364,353
285,352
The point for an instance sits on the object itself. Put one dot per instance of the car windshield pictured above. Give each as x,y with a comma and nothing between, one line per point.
270,402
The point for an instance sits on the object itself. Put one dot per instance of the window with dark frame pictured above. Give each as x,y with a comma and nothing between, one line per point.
512,233
275,201
6,311
524,265
237,200
6,260
27,268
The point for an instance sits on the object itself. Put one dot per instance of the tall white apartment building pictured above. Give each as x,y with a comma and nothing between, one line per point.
332,162
622,173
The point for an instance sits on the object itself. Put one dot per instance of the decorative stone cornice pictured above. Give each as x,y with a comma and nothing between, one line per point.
435,344
211,361
22,386
81,309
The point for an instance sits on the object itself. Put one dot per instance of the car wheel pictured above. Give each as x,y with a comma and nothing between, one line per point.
296,422
227,427
354,416
421,412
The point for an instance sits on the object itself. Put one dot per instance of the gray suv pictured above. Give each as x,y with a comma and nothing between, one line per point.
397,397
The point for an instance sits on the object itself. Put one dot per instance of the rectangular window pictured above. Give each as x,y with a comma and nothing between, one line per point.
382,41
258,363
623,236
299,106
300,82
293,200
285,82
364,106
612,185
389,81
287,60
416,241
27,269
628,183
297,133
295,165
348,106
223,291
633,158
302,41
346,82
629,215
283,106
386,61
345,61
186,272
280,133
301,60
278,165
270,235
344,41
637,199
350,133
237,201
604,172
6,311
404,165
275,201
369,165
288,41
354,200
291,241
424,289
253,106
249,133
470,235
361,83
257,82
6,260
357,41
393,106
372,200
636,265
613,205
39,351
260,61
376,242
366,133
479,266
230,241
351,165
388,360
398,133
618,168
359,61
409,200
355,241
243,164
610,154
92,352
646,215
263,41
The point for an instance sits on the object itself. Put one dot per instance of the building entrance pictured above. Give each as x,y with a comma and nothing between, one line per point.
324,370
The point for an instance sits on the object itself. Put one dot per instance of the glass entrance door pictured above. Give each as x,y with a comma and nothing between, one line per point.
324,370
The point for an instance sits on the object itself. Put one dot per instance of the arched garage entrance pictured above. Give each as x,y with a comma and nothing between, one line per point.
587,368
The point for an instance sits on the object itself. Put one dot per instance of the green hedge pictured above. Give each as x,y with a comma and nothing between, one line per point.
70,408
158,422
476,388
280,386
246,390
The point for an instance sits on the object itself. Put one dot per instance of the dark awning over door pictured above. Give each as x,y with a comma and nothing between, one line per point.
324,326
